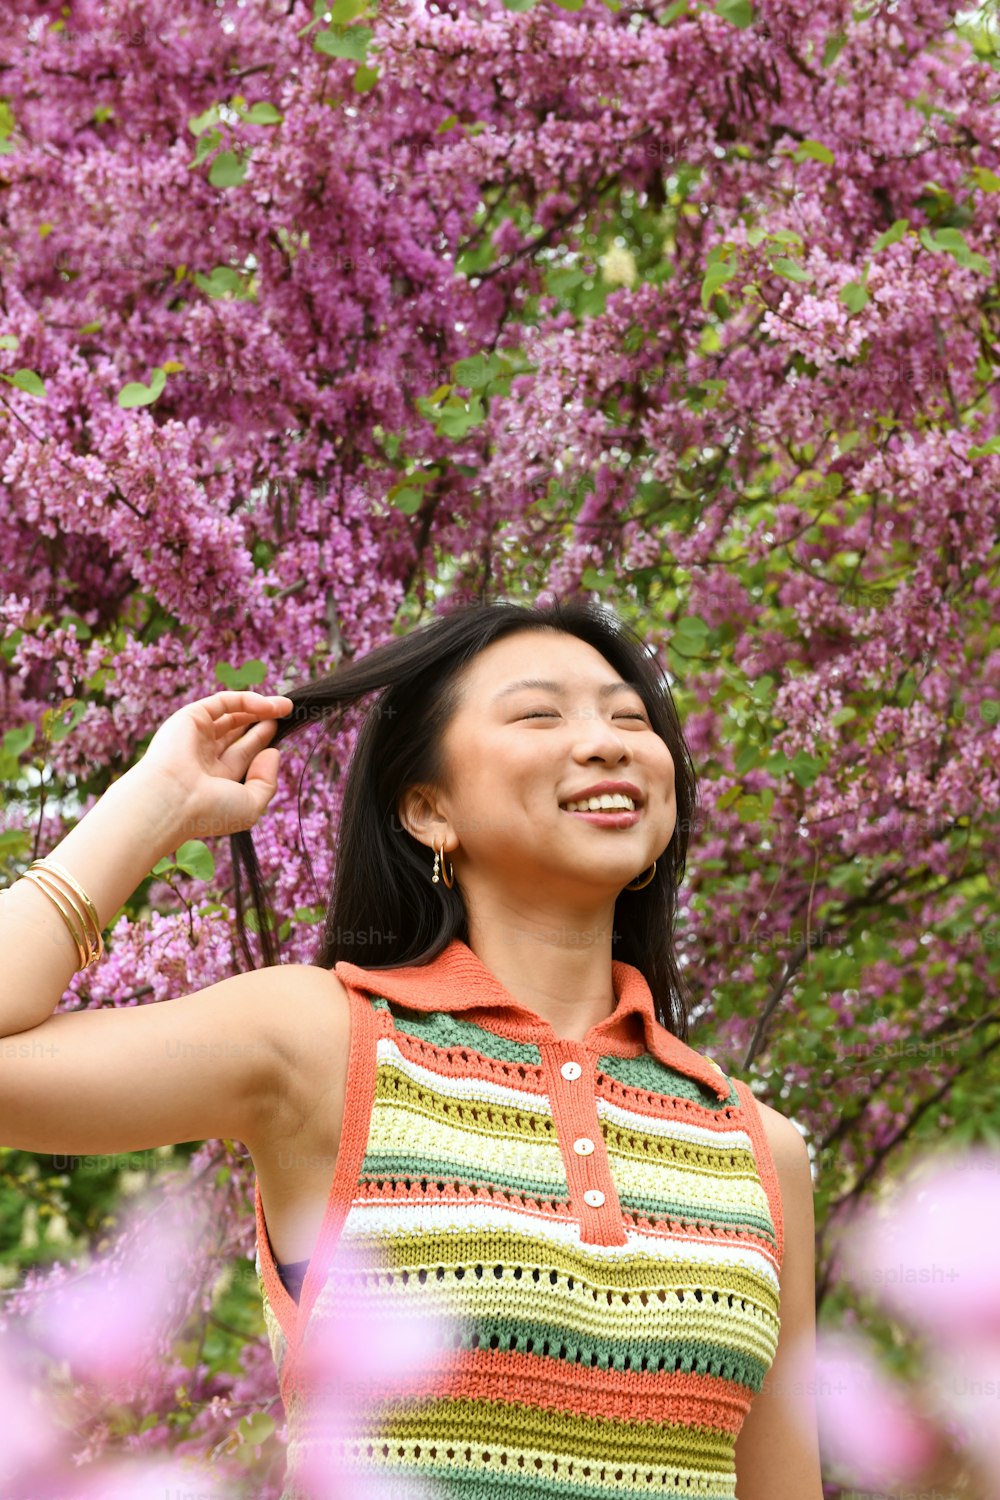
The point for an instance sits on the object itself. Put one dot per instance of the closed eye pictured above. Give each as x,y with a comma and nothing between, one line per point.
548,714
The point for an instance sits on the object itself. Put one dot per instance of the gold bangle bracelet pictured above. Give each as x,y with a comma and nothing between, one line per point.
75,887
75,932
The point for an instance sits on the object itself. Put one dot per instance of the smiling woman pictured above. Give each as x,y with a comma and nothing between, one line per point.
518,1095
495,1128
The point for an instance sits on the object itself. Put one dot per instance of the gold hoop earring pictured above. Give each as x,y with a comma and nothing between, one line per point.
442,866
642,883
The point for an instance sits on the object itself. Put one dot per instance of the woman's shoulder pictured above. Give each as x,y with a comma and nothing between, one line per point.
787,1143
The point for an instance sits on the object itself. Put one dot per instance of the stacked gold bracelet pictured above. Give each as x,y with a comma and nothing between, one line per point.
74,906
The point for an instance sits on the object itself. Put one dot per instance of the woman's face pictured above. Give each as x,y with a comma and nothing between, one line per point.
516,754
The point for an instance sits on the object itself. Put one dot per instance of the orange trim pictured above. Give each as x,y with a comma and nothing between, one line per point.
359,1099
765,1161
458,980
283,1304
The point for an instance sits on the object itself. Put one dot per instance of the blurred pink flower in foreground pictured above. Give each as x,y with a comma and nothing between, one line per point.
108,1321
928,1254
28,1429
104,1325
352,1360
865,1424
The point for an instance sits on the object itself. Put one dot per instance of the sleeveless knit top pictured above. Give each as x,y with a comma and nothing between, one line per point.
598,1221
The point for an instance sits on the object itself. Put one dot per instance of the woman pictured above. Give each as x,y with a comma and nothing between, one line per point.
496,1093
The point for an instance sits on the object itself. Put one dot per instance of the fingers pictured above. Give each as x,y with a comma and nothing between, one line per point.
255,705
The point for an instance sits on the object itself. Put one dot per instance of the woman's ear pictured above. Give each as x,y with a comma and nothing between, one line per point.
422,818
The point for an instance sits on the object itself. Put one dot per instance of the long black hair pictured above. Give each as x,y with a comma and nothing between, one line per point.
382,878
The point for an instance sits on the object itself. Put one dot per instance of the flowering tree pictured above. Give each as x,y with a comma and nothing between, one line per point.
312,317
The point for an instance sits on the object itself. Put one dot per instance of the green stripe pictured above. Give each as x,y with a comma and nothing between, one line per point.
489,1426
382,1166
694,1353
647,1072
397,1087
379,1165
440,1254
444,1030
495,1118
673,1208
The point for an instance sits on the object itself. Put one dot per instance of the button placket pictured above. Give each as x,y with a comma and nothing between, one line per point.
588,1171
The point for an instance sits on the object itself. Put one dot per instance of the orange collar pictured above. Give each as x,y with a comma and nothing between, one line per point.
457,979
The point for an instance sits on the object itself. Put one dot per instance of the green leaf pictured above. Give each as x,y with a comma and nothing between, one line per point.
365,78
791,269
458,419
816,150
81,628
569,4
58,727
262,114
835,44
982,450
854,296
222,281
342,11
989,710
805,768
715,276
405,498
227,170
256,1428
953,242
238,679
17,740
198,123
136,394
196,859
9,340
892,235
518,4
207,143
748,757
694,628
344,41
985,180
477,372
599,581
163,865
736,12
27,381
679,8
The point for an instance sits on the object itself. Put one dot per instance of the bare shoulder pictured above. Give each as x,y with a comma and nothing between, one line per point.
787,1143
310,1008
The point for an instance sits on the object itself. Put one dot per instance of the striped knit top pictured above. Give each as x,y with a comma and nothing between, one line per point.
598,1221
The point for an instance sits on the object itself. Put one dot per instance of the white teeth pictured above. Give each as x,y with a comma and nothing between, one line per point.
610,801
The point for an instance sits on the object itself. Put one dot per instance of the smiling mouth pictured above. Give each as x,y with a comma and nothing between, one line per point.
606,802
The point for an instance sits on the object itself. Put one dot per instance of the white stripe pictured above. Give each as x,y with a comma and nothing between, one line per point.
680,1129
462,1088
374,1217
540,1104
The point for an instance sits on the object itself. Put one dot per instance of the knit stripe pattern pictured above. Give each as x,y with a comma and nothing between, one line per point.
599,1344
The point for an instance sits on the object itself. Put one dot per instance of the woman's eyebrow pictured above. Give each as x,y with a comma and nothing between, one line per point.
546,686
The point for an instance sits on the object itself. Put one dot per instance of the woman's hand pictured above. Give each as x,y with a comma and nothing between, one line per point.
198,759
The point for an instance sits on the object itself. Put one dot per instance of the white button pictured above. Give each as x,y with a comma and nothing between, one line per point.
571,1070
583,1145
593,1197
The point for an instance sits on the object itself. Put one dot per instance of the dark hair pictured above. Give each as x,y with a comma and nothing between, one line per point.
382,878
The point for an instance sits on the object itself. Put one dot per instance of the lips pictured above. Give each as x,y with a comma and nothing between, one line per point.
606,788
